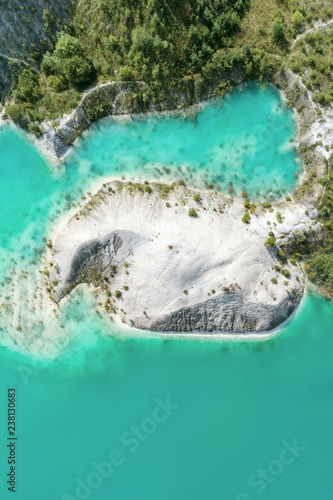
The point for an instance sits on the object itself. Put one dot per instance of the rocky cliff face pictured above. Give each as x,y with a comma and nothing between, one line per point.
229,312
116,98
160,269
108,99
27,30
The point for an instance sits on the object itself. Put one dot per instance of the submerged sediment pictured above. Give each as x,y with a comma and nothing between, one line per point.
165,261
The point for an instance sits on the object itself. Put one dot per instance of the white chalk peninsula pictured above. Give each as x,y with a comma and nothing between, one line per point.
171,259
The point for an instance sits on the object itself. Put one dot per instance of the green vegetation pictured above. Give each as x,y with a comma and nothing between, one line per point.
281,254
67,66
249,206
274,280
270,242
266,204
279,217
172,46
319,264
311,57
278,28
182,46
246,218
118,294
156,40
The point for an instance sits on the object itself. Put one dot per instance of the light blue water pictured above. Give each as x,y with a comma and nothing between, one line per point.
237,403
239,143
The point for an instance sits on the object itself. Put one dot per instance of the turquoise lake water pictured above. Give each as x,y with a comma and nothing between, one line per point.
236,408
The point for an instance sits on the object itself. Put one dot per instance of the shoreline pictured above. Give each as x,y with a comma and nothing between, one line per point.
126,332
238,249
283,84
218,336
185,112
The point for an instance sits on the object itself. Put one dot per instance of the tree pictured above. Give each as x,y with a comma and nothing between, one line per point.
67,46
67,64
126,74
77,70
278,29
297,20
26,88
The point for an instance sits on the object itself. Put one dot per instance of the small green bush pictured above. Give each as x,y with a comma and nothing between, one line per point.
286,273
192,212
281,254
246,218
196,197
118,294
270,242
274,280
266,204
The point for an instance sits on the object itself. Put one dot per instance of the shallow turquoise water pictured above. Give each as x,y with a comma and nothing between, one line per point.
242,142
237,403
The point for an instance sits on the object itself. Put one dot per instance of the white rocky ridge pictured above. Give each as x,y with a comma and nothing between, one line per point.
212,272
